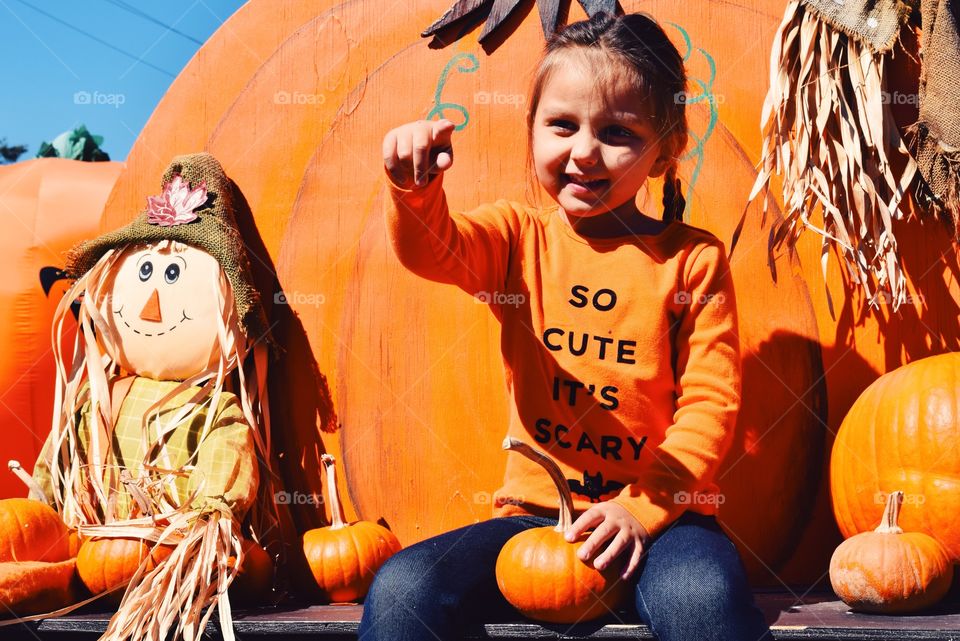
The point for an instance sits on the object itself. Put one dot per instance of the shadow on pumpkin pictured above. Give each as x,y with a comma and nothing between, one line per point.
845,375
301,406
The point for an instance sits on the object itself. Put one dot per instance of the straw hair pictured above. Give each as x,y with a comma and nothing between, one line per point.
827,130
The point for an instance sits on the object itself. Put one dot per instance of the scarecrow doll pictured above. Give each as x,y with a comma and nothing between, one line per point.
160,429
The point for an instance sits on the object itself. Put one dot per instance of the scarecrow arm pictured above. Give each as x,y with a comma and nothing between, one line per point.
41,473
226,471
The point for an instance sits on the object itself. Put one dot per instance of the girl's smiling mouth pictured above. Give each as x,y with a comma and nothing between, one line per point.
119,313
579,184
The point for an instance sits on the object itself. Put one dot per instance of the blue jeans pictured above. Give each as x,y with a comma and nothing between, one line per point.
691,585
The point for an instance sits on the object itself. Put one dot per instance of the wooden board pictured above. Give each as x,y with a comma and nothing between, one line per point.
791,617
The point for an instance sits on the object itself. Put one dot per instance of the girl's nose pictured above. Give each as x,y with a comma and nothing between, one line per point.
585,150
151,311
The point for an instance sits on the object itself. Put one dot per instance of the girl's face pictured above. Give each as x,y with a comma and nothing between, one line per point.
593,155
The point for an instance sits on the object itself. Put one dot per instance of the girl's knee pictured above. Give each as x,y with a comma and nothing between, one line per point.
708,591
404,576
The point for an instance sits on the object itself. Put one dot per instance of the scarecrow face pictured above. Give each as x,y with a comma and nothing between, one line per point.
163,308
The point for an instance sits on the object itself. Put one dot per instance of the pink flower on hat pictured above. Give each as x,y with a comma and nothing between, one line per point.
177,204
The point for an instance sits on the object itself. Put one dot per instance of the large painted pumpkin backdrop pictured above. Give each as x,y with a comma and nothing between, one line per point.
295,96
46,205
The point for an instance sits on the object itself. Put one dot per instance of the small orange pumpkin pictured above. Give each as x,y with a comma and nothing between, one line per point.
255,578
105,563
539,572
74,541
32,531
890,571
344,557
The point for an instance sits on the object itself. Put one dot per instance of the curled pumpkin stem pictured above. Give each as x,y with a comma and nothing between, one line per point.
889,524
31,484
535,455
337,518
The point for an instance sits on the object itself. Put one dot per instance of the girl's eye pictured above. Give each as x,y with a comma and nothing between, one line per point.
620,132
146,271
172,273
562,124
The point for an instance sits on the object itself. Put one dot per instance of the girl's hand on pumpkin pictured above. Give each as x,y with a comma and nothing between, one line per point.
415,151
609,520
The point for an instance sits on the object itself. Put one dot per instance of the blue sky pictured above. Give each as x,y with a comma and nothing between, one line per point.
54,78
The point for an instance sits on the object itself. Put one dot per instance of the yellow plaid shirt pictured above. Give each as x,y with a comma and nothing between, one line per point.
224,469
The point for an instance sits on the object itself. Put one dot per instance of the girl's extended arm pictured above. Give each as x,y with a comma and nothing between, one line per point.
471,250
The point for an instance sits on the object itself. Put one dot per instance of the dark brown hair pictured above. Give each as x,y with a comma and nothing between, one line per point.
634,43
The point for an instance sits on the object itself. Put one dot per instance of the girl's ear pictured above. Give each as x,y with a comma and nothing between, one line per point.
664,160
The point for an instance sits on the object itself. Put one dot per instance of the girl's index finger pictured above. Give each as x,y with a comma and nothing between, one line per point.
587,520
443,130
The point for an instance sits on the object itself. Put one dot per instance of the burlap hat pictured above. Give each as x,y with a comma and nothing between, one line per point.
213,228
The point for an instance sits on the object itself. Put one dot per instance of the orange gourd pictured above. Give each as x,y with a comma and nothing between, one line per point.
32,587
903,432
104,564
539,572
890,571
31,530
344,557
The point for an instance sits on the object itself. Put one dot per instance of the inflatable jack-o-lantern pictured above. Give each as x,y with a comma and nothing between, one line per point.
159,432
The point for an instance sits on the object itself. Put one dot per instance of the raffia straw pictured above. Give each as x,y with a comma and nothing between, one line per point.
177,598
827,131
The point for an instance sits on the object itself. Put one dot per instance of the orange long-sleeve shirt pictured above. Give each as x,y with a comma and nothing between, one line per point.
621,355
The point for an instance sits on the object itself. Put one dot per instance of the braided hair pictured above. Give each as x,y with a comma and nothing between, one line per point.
636,43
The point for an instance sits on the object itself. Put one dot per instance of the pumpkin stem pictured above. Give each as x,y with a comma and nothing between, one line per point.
337,517
891,515
535,455
28,480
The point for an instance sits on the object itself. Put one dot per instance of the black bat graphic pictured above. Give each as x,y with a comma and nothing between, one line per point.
49,277
593,486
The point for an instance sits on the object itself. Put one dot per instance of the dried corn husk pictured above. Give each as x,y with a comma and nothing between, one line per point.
827,130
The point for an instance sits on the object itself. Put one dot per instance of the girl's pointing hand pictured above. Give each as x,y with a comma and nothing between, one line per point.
415,151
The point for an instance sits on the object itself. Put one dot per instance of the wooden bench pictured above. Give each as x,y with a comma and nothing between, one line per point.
813,616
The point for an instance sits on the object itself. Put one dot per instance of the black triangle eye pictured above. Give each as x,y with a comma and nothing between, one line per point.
172,273
146,271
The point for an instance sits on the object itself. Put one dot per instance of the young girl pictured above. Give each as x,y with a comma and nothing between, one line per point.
622,359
